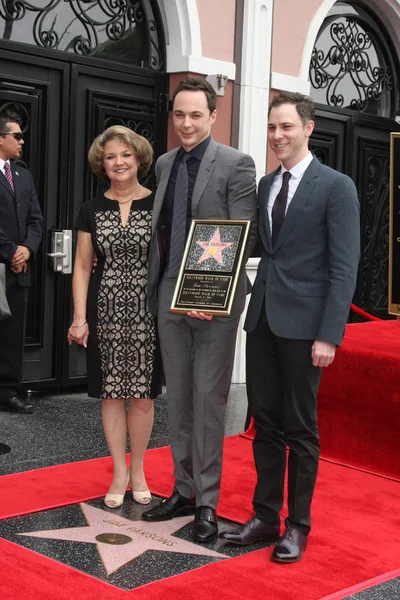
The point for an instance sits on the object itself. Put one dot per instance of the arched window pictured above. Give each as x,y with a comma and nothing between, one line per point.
352,64
123,31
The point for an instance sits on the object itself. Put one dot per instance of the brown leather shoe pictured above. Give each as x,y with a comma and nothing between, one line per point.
252,531
290,547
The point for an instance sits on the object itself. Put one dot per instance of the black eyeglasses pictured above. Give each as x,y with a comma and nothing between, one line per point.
18,135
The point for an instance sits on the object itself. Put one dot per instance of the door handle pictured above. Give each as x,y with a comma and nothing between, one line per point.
61,251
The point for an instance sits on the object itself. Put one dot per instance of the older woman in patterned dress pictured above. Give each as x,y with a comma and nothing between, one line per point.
111,318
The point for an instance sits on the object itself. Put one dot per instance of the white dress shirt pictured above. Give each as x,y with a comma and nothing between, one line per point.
2,163
297,173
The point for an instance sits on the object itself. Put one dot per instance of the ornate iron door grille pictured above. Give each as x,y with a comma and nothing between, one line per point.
352,64
354,74
122,31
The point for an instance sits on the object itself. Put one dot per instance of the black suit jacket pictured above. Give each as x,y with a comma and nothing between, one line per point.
21,221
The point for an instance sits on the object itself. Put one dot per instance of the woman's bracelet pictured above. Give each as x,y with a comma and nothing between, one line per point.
81,325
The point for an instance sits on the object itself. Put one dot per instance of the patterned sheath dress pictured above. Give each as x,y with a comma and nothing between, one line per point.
123,359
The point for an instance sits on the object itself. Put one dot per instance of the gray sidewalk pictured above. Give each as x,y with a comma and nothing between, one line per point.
68,428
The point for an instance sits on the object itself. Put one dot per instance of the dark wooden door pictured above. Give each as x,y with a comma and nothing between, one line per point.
359,146
37,95
371,173
64,104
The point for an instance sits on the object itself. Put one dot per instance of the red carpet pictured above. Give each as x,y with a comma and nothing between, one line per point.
355,516
359,400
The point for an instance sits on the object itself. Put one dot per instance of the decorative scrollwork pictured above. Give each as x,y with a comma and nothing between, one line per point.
373,278
320,153
21,110
353,71
140,127
88,27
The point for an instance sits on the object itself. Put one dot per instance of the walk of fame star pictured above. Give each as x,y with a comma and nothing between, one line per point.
120,540
213,248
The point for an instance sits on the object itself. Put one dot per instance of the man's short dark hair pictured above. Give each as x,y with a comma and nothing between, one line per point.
198,84
6,118
304,105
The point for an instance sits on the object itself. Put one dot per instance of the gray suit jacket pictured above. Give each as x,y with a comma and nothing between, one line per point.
307,281
225,188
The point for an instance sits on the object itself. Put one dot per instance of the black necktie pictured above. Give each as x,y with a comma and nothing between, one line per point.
179,218
279,207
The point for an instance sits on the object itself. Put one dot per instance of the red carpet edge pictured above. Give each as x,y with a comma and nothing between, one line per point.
363,586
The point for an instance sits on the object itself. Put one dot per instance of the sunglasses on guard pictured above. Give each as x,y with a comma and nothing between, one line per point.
18,135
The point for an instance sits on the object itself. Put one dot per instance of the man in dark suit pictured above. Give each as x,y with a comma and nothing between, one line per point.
20,235
310,236
197,350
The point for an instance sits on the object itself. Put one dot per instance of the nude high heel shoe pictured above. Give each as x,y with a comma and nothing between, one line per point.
143,497
116,500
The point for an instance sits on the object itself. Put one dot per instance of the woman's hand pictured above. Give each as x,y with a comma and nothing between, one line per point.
78,333
79,330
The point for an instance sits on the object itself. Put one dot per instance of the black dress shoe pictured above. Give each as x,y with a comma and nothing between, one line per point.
17,405
252,531
4,449
290,547
174,506
205,526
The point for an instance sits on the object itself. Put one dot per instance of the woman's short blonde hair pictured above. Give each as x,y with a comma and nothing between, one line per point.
139,145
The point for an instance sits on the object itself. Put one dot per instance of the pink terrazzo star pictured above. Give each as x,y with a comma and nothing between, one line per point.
120,540
213,248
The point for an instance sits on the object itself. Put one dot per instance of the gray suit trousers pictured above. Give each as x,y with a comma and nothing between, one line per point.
198,360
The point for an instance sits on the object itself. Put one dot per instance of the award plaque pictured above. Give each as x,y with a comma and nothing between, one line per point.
394,240
211,266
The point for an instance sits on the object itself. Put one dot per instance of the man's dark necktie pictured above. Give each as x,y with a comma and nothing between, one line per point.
279,207
7,173
179,218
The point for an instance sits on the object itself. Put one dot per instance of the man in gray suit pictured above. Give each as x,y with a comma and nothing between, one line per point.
197,350
310,235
